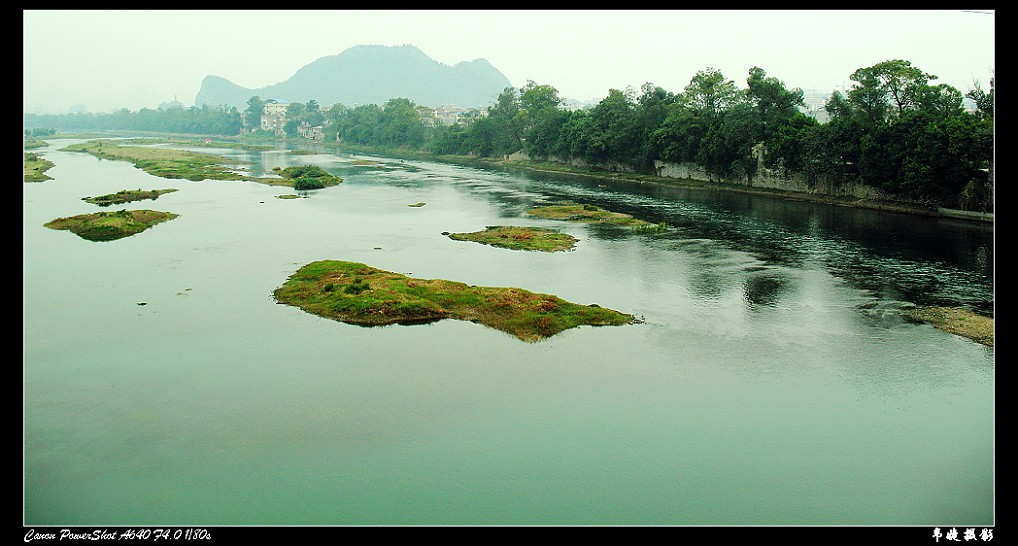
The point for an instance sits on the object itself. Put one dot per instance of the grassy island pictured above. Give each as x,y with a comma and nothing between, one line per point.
593,214
302,177
957,321
108,226
359,294
36,167
126,196
519,238
163,162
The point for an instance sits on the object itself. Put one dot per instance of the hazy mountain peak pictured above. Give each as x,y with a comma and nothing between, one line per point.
372,74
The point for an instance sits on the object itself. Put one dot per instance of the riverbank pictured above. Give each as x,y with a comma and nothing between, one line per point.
552,167
904,207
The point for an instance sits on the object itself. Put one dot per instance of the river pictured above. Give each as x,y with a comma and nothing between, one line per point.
772,381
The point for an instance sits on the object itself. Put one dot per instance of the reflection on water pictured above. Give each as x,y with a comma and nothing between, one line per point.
773,381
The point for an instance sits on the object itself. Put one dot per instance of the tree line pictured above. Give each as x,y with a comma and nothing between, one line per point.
895,130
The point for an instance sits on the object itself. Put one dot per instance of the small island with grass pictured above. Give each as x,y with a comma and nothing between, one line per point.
126,196
356,293
163,162
109,226
36,167
520,238
302,177
960,322
592,214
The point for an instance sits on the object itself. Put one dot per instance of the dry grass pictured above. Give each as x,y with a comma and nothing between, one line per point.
957,321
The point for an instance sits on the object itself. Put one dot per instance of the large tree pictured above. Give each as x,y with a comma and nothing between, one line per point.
540,119
775,104
710,94
253,114
897,79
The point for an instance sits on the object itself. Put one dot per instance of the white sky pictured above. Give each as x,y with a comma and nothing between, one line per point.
110,59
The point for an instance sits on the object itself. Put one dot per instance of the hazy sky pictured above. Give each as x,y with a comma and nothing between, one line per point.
109,59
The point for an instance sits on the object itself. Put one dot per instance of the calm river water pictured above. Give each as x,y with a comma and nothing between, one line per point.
772,381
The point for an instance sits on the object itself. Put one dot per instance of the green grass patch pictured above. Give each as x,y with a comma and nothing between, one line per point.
593,214
163,162
109,226
519,238
126,196
303,177
359,294
36,167
957,321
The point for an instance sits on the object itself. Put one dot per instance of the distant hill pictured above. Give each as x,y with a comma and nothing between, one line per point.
371,74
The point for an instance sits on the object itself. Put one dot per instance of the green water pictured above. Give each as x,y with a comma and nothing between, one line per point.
772,383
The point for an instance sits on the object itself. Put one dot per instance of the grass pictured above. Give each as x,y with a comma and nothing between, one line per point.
109,226
199,142
126,196
519,238
593,214
359,294
36,167
303,177
162,162
957,321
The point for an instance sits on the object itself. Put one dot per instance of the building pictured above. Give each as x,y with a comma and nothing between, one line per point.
274,115
311,132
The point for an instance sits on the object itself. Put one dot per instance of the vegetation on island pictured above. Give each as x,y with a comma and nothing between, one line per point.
359,294
163,162
520,238
109,226
126,196
593,214
957,321
200,142
36,167
303,177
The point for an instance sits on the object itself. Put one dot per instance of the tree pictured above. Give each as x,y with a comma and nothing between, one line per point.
681,134
868,98
710,94
613,138
898,80
838,106
727,148
540,118
507,136
775,104
939,101
402,124
652,108
983,100
253,114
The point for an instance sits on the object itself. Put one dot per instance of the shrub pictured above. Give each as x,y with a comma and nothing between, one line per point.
307,183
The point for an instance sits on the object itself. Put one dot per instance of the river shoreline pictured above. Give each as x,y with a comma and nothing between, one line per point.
904,207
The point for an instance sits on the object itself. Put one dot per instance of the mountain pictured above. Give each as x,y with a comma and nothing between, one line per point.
371,74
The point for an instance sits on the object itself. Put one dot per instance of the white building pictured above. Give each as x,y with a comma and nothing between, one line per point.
274,115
